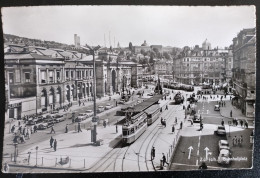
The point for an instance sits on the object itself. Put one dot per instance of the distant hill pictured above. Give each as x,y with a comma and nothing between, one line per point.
13,39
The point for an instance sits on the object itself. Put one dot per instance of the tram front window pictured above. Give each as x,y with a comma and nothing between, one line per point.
125,132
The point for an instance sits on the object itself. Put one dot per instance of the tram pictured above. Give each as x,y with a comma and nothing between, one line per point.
178,98
153,113
134,127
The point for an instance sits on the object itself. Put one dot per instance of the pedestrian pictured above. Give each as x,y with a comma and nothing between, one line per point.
203,166
176,120
222,122
51,141
183,107
240,140
164,121
241,123
116,129
234,141
6,168
161,110
104,124
164,97
79,127
66,128
236,121
13,129
22,139
152,153
55,145
246,124
181,125
19,123
164,160
35,128
191,122
116,103
173,129
201,126
231,113
52,129
166,108
79,102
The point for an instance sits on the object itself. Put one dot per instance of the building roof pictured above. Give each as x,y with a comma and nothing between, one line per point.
26,56
147,103
151,109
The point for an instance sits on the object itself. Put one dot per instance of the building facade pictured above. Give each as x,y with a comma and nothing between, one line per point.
244,71
199,65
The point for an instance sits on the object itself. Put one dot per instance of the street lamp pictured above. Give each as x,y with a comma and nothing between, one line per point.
15,151
95,118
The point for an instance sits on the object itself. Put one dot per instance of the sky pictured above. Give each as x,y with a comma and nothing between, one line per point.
176,26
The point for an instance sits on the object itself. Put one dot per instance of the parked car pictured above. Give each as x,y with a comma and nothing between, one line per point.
150,94
223,144
100,109
42,126
89,113
31,122
108,106
121,101
221,130
81,117
196,118
224,157
59,118
216,108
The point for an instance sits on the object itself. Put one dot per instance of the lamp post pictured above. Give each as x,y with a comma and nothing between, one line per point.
15,151
95,118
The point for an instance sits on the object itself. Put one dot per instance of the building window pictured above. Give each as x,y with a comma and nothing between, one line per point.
58,75
67,74
51,77
90,73
27,77
83,74
86,73
72,74
43,76
11,78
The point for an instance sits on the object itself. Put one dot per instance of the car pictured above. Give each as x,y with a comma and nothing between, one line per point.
81,117
139,93
89,113
31,122
221,130
54,112
59,118
121,101
224,157
216,108
100,109
223,144
42,126
196,118
108,106
150,94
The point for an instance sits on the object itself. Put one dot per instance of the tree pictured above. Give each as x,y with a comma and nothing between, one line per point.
121,53
133,60
166,55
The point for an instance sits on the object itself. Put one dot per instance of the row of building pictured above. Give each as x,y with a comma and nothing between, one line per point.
40,80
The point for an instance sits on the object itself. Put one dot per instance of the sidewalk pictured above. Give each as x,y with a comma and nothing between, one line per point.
167,141
73,148
236,113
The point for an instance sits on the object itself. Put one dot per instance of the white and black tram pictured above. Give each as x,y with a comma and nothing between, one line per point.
134,127
153,113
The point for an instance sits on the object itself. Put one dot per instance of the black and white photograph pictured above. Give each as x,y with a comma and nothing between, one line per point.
117,88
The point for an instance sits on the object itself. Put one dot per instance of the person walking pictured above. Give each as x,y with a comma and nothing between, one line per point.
222,122
52,129
13,129
166,108
164,160
164,121
35,128
246,124
181,125
66,128
152,153
79,128
240,140
241,123
176,120
231,113
173,129
191,122
116,129
51,142
55,145
234,141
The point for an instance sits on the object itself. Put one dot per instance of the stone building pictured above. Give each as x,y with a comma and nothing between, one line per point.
244,71
198,65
